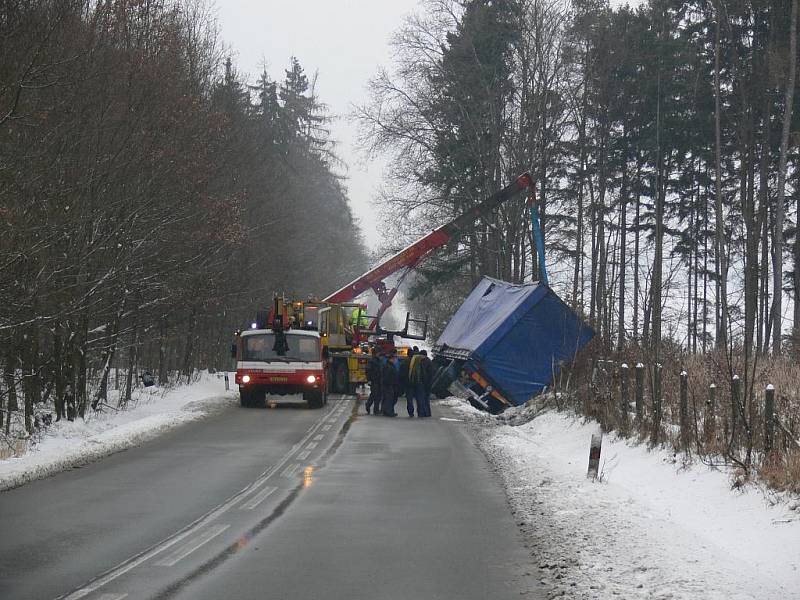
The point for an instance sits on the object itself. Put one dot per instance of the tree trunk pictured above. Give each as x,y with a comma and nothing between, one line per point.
705,270
163,374
721,262
58,372
623,226
81,366
656,283
636,238
108,358
9,373
796,281
761,226
777,242
188,367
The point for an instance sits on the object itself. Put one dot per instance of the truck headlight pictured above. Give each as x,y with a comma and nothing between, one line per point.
245,378
311,378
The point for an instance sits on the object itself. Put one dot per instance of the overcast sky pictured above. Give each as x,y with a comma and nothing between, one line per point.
345,41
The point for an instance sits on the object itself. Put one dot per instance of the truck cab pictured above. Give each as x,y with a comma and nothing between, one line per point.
283,362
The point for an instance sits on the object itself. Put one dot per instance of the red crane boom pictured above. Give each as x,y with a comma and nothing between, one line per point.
409,257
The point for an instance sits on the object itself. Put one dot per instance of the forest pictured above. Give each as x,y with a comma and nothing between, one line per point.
662,138
151,198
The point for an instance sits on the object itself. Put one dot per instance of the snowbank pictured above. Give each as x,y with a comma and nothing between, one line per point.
653,528
152,412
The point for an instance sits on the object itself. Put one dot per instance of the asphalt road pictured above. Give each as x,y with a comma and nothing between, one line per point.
274,503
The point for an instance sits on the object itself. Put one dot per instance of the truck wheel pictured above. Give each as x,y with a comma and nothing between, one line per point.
340,378
260,399
245,399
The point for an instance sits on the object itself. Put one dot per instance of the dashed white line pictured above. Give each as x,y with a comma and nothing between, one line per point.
258,498
290,470
304,454
318,438
135,561
185,550
111,597
124,568
311,445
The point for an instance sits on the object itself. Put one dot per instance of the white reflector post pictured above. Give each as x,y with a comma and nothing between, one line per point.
594,454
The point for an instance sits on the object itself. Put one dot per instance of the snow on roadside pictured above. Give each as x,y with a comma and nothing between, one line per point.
652,528
153,411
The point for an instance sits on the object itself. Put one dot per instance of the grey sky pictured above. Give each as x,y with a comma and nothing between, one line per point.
345,41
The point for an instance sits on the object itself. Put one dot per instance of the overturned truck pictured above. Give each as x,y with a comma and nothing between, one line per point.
506,344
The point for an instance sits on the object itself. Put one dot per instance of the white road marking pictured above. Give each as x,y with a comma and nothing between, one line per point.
111,597
258,498
185,550
135,561
303,455
290,471
311,445
319,437
124,568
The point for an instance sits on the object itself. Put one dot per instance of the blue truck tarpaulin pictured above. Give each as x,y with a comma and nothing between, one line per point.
515,336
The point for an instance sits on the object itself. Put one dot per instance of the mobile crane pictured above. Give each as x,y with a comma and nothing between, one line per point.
341,348
408,258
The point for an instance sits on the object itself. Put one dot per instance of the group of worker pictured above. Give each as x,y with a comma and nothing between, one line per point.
391,376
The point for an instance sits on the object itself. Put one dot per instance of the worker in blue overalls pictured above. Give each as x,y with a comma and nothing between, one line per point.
374,378
390,379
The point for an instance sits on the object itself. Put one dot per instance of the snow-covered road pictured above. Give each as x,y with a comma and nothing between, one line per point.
653,528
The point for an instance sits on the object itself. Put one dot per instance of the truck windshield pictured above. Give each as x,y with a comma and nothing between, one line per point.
260,347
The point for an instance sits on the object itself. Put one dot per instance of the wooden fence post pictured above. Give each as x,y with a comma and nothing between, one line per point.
639,392
595,447
709,424
684,397
623,395
655,435
769,419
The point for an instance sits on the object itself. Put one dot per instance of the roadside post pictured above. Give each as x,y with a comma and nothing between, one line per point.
594,455
655,435
684,408
623,395
769,419
639,392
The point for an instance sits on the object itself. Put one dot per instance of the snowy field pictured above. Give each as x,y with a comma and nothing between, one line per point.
652,528
152,411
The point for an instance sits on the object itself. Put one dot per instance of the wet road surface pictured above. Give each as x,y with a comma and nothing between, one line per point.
282,503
